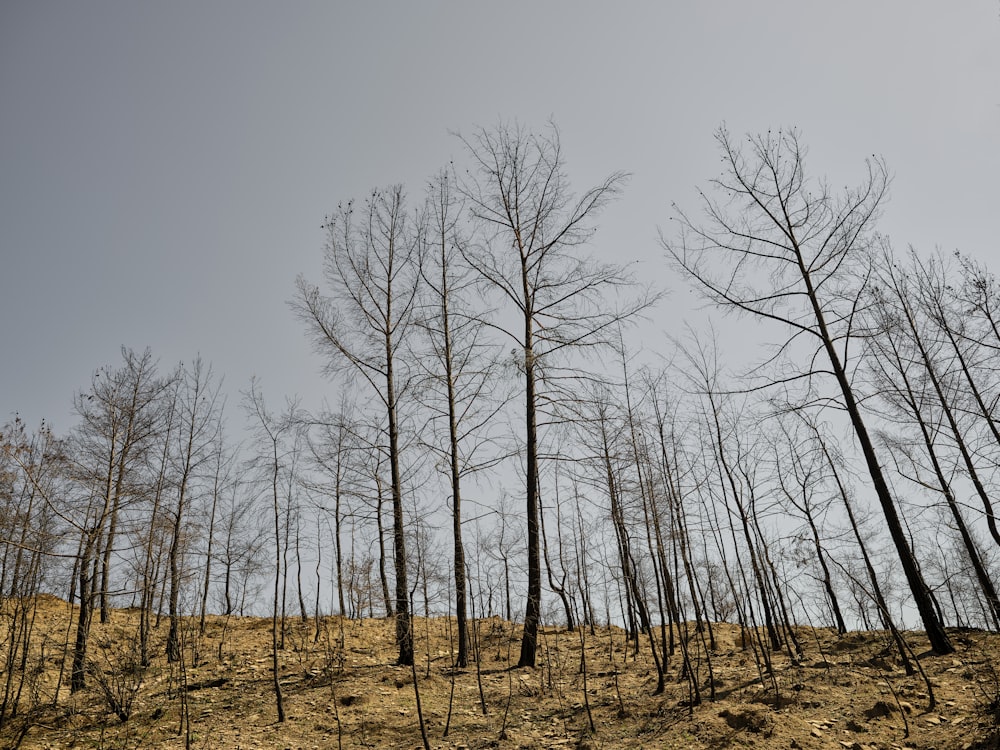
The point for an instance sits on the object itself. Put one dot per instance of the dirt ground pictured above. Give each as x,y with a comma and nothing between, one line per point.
342,690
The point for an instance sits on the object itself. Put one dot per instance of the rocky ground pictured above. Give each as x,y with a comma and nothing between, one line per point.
341,690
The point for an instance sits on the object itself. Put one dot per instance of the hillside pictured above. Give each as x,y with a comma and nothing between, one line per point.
342,690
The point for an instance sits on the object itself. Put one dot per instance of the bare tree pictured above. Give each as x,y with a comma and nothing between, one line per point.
374,496
32,472
460,380
118,420
333,443
801,477
780,247
154,520
140,390
530,231
222,480
199,423
241,543
272,432
608,452
963,322
914,383
372,271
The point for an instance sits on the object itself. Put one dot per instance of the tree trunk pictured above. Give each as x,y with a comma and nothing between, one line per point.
918,588
404,623
532,608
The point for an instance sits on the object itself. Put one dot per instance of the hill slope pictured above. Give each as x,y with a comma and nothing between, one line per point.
342,690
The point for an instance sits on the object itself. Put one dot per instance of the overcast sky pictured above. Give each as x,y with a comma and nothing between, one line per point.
165,167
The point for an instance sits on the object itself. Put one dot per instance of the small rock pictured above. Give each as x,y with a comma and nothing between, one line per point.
880,710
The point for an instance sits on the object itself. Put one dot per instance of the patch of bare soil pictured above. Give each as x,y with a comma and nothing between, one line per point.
342,690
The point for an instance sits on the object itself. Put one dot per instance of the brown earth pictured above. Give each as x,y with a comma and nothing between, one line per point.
342,690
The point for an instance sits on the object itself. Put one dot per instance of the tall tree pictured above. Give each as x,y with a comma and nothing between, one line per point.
154,521
801,475
371,267
118,418
224,461
530,230
139,391
333,443
198,425
781,247
271,433
914,384
460,391
32,475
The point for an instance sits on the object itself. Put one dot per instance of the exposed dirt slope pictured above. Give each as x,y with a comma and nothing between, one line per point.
342,690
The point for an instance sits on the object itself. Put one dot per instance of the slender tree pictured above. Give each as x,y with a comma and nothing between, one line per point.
152,542
372,271
460,375
907,365
800,476
223,460
530,231
32,473
139,391
780,247
272,433
333,445
199,423
118,420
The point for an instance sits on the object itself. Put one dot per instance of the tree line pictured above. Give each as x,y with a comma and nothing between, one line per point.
498,446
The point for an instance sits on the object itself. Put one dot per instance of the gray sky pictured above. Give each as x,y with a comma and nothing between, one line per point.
165,167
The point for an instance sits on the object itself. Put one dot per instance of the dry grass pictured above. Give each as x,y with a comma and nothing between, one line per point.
342,690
